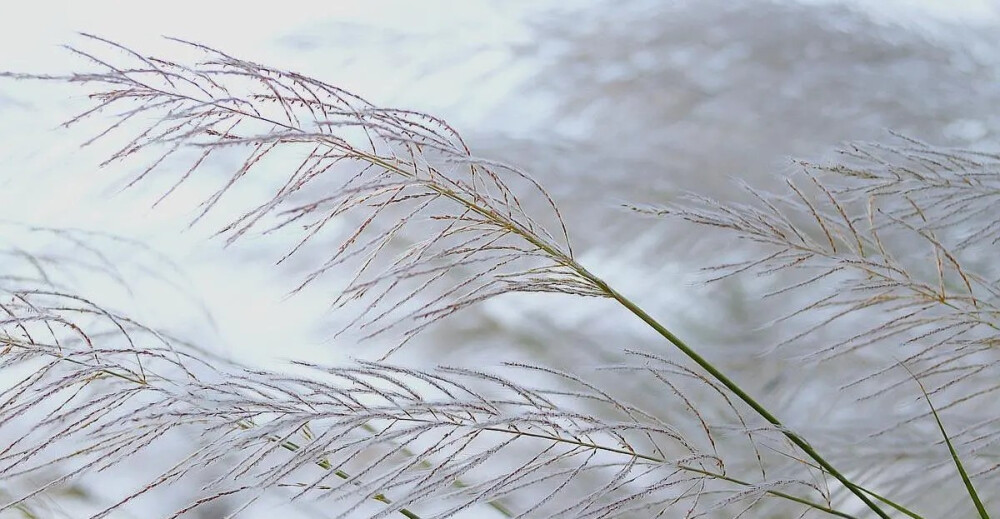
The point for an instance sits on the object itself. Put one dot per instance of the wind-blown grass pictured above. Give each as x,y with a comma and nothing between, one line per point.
430,230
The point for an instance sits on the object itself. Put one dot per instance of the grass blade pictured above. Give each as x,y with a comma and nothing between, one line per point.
951,449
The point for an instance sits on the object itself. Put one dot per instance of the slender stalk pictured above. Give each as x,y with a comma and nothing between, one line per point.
743,395
654,459
326,465
893,504
898,507
458,483
980,508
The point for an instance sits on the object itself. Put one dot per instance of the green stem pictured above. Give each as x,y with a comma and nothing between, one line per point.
646,457
686,468
458,483
889,502
326,465
983,514
739,392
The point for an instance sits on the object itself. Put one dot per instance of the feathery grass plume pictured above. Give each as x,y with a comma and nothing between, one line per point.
391,437
77,376
895,243
47,325
106,393
384,422
406,169
99,389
